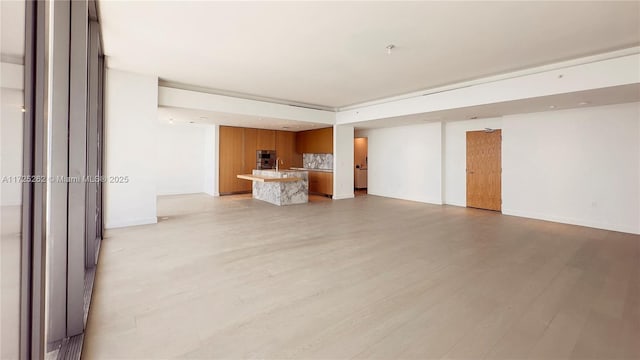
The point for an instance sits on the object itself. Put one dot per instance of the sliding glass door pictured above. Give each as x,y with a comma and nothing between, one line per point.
50,166
75,213
12,102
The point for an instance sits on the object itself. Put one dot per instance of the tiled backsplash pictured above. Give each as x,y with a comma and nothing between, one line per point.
318,161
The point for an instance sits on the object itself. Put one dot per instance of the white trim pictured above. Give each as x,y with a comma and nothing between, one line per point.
426,201
179,98
572,221
182,86
514,74
342,197
131,222
454,203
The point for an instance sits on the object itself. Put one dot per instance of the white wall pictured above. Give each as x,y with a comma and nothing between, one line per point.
131,102
579,166
211,160
343,162
11,76
455,158
11,144
184,158
405,162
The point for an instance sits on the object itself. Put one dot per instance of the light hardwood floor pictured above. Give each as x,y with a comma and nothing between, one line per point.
368,277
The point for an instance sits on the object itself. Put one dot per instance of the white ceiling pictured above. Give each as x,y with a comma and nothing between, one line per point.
597,97
333,53
193,116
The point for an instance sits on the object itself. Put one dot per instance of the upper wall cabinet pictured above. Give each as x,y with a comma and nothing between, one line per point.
266,139
318,141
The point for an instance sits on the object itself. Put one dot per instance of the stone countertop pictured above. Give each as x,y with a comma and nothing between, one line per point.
275,176
267,178
272,173
320,170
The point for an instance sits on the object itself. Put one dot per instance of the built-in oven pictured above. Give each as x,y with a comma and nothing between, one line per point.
265,159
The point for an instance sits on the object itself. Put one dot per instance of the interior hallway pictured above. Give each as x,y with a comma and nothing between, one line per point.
369,277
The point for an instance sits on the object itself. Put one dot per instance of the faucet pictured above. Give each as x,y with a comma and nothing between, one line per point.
277,163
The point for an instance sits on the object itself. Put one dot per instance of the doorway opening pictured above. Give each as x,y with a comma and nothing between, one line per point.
484,169
361,167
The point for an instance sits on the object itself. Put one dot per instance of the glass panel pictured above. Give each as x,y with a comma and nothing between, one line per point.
12,21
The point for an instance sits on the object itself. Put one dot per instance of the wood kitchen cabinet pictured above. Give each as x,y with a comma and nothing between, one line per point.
318,141
237,154
321,182
266,139
250,147
286,150
231,159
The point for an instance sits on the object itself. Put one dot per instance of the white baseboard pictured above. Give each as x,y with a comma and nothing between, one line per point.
130,222
572,221
342,197
456,204
423,201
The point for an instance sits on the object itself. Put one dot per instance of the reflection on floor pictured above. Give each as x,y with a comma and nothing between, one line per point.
9,281
191,204
368,277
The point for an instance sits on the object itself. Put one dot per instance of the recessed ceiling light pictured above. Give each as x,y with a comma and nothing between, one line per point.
552,106
203,117
582,103
192,122
285,127
170,121
23,109
389,48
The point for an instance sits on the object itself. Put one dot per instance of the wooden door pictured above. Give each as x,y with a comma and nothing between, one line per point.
484,170
231,159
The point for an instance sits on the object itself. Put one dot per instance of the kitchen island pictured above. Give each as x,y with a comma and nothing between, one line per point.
320,181
285,187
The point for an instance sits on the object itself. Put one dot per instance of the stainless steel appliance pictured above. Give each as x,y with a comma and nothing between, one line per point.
265,159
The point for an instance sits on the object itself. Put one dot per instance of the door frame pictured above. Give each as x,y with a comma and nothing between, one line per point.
467,170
